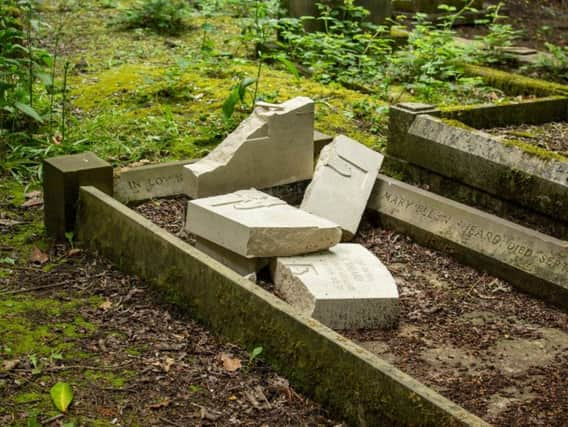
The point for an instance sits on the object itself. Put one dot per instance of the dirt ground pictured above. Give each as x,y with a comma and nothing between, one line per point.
551,136
497,352
538,21
67,315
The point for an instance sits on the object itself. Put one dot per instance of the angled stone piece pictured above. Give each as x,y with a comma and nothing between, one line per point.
274,146
346,287
240,264
62,177
344,178
255,225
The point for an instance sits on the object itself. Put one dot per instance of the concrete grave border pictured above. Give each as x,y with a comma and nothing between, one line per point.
445,141
350,381
484,241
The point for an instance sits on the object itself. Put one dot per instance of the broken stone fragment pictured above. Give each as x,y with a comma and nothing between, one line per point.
346,287
254,224
238,263
274,146
344,178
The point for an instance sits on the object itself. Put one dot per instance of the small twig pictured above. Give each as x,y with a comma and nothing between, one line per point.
52,419
91,368
37,288
169,422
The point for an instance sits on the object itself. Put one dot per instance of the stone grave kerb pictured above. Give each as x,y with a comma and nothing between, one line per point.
62,178
401,117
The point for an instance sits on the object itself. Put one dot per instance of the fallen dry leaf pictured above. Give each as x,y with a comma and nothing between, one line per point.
38,256
105,305
74,251
166,364
229,363
33,195
163,404
8,365
32,202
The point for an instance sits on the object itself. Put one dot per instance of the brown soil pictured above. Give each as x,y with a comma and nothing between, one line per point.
176,373
539,21
549,136
497,352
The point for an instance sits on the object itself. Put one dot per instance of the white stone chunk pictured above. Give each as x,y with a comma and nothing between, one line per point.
254,224
274,146
342,183
240,264
346,287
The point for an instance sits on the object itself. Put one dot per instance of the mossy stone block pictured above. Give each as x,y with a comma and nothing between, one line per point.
62,177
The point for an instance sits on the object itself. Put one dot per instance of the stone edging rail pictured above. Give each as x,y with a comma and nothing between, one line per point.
532,261
350,381
433,139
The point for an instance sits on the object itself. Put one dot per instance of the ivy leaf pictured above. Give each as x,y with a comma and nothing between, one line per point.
62,396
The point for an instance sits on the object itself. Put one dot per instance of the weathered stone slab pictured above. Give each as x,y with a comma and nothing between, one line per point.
273,146
531,111
477,159
240,264
534,262
343,180
166,179
253,224
346,287
148,182
62,177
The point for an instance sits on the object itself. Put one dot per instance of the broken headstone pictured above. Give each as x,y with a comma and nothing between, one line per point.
254,224
342,183
345,287
274,146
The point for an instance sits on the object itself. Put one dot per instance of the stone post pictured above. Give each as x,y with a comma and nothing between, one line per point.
62,177
401,117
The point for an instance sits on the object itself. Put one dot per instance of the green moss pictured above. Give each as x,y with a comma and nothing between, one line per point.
533,149
108,378
26,328
515,84
27,397
457,124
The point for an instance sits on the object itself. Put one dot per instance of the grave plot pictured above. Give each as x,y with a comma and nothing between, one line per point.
453,151
469,335
296,254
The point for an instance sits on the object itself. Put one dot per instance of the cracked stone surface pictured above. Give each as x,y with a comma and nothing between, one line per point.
344,287
343,180
254,224
273,146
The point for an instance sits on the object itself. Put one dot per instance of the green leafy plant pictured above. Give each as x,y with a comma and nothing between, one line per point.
350,50
36,370
555,63
236,96
256,352
21,63
499,37
62,396
164,16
